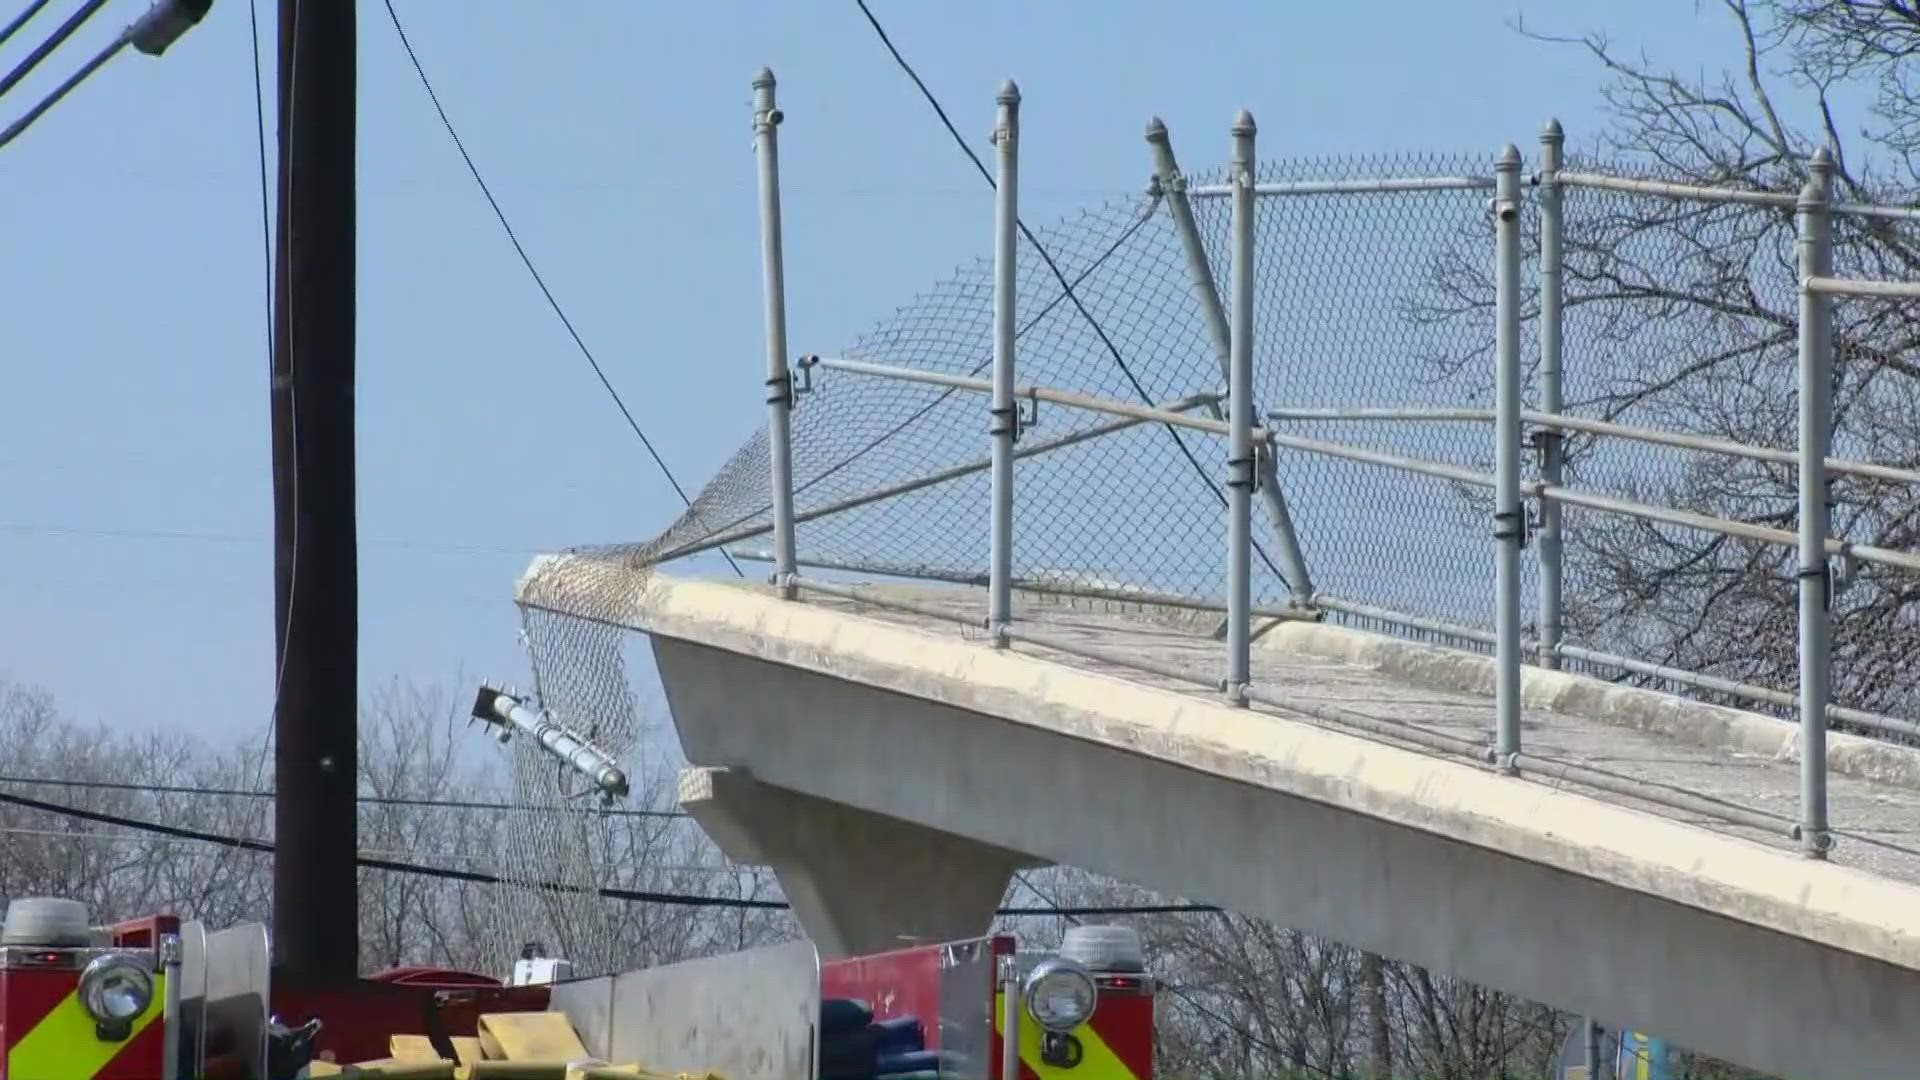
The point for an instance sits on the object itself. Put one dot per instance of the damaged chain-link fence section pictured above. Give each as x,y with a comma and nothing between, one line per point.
1374,329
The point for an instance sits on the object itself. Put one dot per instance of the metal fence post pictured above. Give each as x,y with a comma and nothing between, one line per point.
766,117
1816,371
1009,979
1005,418
1240,463
1173,186
1552,443
1508,520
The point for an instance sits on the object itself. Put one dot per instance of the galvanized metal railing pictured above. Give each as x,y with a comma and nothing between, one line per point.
1251,447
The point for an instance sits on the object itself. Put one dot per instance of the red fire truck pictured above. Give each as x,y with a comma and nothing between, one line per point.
158,999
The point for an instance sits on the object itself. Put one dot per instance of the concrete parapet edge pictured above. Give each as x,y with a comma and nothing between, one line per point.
1694,722
1738,879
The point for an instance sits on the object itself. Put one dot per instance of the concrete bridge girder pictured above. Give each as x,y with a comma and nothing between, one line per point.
859,882
1727,947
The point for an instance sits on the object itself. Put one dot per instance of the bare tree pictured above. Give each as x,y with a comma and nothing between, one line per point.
1684,315
434,796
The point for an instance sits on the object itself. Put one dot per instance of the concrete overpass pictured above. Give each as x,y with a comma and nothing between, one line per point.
894,772
894,754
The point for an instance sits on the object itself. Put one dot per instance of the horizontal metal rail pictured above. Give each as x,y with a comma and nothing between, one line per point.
927,480
1732,688
1905,560
1707,444
1442,741
1037,586
1902,213
1671,797
1401,618
1669,189
861,596
1343,717
1067,398
1538,769
1594,501
1110,657
1438,469
1433,740
1565,422
1674,190
1415,414
1382,186
1435,469
1833,286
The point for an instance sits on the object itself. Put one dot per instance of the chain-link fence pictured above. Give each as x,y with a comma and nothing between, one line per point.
1376,337
1682,315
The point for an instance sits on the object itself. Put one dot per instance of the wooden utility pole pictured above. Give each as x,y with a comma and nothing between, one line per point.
316,575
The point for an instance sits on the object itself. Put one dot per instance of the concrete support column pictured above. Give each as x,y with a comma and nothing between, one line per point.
859,882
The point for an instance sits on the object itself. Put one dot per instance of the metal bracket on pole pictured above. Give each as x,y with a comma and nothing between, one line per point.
1004,427
1508,517
779,382
1028,417
1815,586
1842,577
800,380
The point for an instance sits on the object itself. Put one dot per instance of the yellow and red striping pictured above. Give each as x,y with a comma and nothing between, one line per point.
1116,1042
49,1035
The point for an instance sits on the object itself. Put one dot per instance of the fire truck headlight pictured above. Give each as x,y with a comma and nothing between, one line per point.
116,988
1060,994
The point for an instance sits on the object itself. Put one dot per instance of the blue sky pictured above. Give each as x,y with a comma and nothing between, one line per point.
136,523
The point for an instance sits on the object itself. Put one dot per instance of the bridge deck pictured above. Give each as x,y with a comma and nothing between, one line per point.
1868,809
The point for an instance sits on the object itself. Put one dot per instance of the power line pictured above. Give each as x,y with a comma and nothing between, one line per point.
46,48
256,793
534,271
260,143
1060,276
131,837
1021,876
207,537
288,118
201,536
21,19
241,843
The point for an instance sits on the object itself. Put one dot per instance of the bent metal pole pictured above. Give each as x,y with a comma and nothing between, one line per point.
1166,173
1005,420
